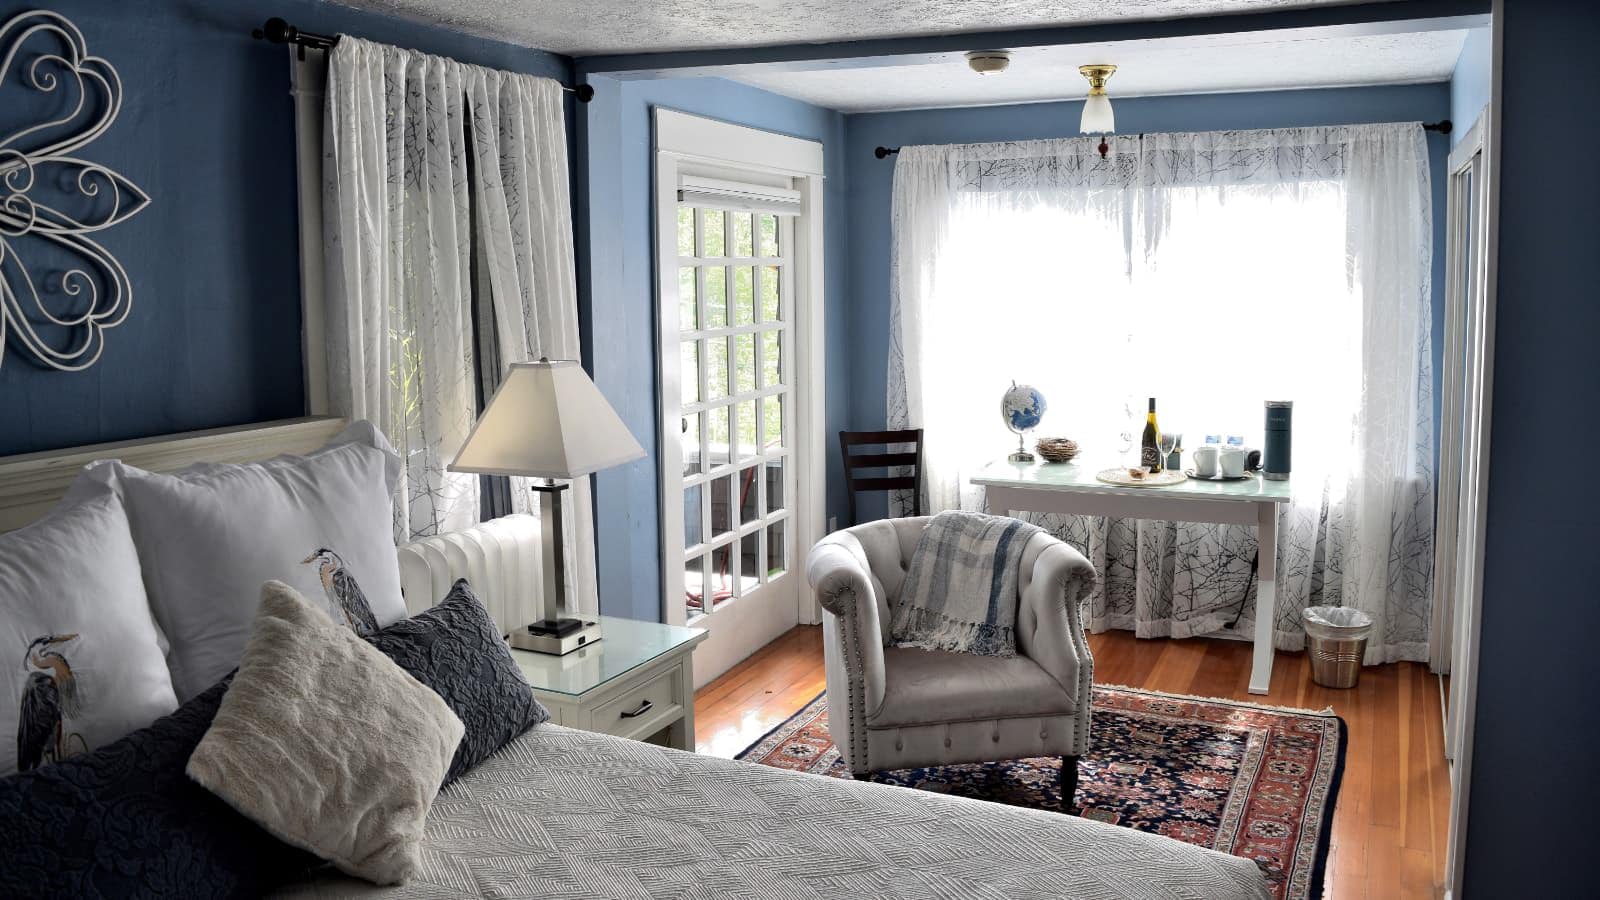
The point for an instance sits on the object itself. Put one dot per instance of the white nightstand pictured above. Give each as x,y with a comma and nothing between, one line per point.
636,682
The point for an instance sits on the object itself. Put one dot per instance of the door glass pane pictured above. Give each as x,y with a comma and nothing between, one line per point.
694,580
711,227
692,522
743,242
749,562
771,309
771,422
768,226
747,429
716,368
721,584
717,451
688,310
721,506
744,295
689,439
685,231
771,358
689,371
749,496
716,297
744,359
777,551
775,484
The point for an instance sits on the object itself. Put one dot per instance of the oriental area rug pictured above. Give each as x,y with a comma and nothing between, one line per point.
1255,781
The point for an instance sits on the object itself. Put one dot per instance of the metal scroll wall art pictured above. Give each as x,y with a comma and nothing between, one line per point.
52,202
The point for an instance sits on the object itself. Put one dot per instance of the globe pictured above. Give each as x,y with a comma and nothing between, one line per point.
1023,407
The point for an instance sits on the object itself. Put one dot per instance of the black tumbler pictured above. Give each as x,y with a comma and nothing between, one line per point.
1276,463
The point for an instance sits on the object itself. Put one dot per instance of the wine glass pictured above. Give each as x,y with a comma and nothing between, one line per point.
1168,442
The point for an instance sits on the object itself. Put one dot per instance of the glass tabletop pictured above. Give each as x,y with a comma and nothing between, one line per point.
1075,476
624,645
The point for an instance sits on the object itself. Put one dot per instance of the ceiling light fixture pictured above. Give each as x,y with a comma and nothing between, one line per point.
1097,115
989,62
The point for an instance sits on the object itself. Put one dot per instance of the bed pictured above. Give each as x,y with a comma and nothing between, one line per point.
560,813
570,814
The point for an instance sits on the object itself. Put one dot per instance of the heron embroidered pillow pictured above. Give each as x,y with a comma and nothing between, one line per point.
210,535
82,663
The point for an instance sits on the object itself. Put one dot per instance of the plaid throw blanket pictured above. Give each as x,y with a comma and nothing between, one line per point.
960,592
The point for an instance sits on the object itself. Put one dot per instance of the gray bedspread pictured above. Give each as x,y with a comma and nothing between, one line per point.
571,814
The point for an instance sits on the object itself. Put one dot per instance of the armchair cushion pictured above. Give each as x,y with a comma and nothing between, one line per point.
928,687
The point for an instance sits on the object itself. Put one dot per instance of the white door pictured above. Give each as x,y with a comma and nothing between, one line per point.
1463,427
1472,244
731,297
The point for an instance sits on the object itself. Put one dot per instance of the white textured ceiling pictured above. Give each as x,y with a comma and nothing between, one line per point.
591,27
1222,63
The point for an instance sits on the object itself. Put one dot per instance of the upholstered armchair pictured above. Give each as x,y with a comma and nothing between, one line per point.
898,707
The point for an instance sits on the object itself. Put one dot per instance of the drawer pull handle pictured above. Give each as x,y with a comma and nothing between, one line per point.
644,707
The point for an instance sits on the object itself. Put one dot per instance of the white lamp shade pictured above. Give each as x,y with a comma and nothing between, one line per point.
1097,116
547,420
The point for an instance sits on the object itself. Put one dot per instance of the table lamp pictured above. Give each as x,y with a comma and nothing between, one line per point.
549,422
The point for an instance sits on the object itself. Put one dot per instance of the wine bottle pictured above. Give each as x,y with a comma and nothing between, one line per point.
1150,443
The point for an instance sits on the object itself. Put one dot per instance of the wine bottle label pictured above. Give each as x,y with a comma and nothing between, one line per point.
1150,456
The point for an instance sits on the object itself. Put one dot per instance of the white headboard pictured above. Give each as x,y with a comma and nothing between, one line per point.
32,483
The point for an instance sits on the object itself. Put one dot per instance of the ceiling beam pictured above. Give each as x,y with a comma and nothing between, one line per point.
1396,17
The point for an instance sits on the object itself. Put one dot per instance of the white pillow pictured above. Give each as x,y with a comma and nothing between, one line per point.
210,535
79,649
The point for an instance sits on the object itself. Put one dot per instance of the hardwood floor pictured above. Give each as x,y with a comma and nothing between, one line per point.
1389,828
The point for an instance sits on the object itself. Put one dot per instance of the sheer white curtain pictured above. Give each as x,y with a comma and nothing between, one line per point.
428,164
1211,271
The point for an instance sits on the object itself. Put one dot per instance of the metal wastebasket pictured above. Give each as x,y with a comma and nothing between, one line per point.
1336,638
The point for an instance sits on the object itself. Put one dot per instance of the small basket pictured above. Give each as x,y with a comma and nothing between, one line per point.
1057,450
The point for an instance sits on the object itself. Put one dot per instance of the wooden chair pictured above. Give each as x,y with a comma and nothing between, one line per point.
883,458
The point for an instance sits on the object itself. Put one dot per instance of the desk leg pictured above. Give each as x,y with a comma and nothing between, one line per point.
1266,596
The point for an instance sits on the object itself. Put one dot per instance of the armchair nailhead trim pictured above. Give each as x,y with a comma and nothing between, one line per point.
856,712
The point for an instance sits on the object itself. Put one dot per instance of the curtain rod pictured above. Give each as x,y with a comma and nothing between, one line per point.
1442,126
278,31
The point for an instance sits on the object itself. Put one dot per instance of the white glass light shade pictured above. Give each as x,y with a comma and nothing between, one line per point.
547,420
1097,116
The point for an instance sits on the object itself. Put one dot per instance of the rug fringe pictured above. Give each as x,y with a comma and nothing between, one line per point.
1293,710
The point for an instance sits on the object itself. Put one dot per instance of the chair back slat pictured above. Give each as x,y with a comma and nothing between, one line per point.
887,458
880,460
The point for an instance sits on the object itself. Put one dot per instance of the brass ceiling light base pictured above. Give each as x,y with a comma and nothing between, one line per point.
1098,75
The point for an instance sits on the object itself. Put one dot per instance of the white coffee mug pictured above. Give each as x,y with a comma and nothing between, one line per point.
1232,459
1205,461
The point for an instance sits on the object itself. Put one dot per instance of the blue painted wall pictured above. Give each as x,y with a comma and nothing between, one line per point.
619,311
207,130
1471,81
1533,789
871,184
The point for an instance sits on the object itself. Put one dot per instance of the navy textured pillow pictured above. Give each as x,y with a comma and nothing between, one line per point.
125,821
456,649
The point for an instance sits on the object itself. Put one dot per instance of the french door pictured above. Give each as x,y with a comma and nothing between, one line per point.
735,488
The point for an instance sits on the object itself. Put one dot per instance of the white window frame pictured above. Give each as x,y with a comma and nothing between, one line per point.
703,148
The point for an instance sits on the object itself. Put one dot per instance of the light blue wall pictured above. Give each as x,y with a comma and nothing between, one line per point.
619,308
1471,81
871,185
1534,792
207,130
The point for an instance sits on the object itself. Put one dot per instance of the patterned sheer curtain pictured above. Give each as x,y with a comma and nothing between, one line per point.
404,217
1212,271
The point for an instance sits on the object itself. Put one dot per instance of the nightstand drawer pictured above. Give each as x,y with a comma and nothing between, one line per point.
641,709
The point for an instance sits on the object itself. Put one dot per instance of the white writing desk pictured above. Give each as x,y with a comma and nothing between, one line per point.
1071,488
